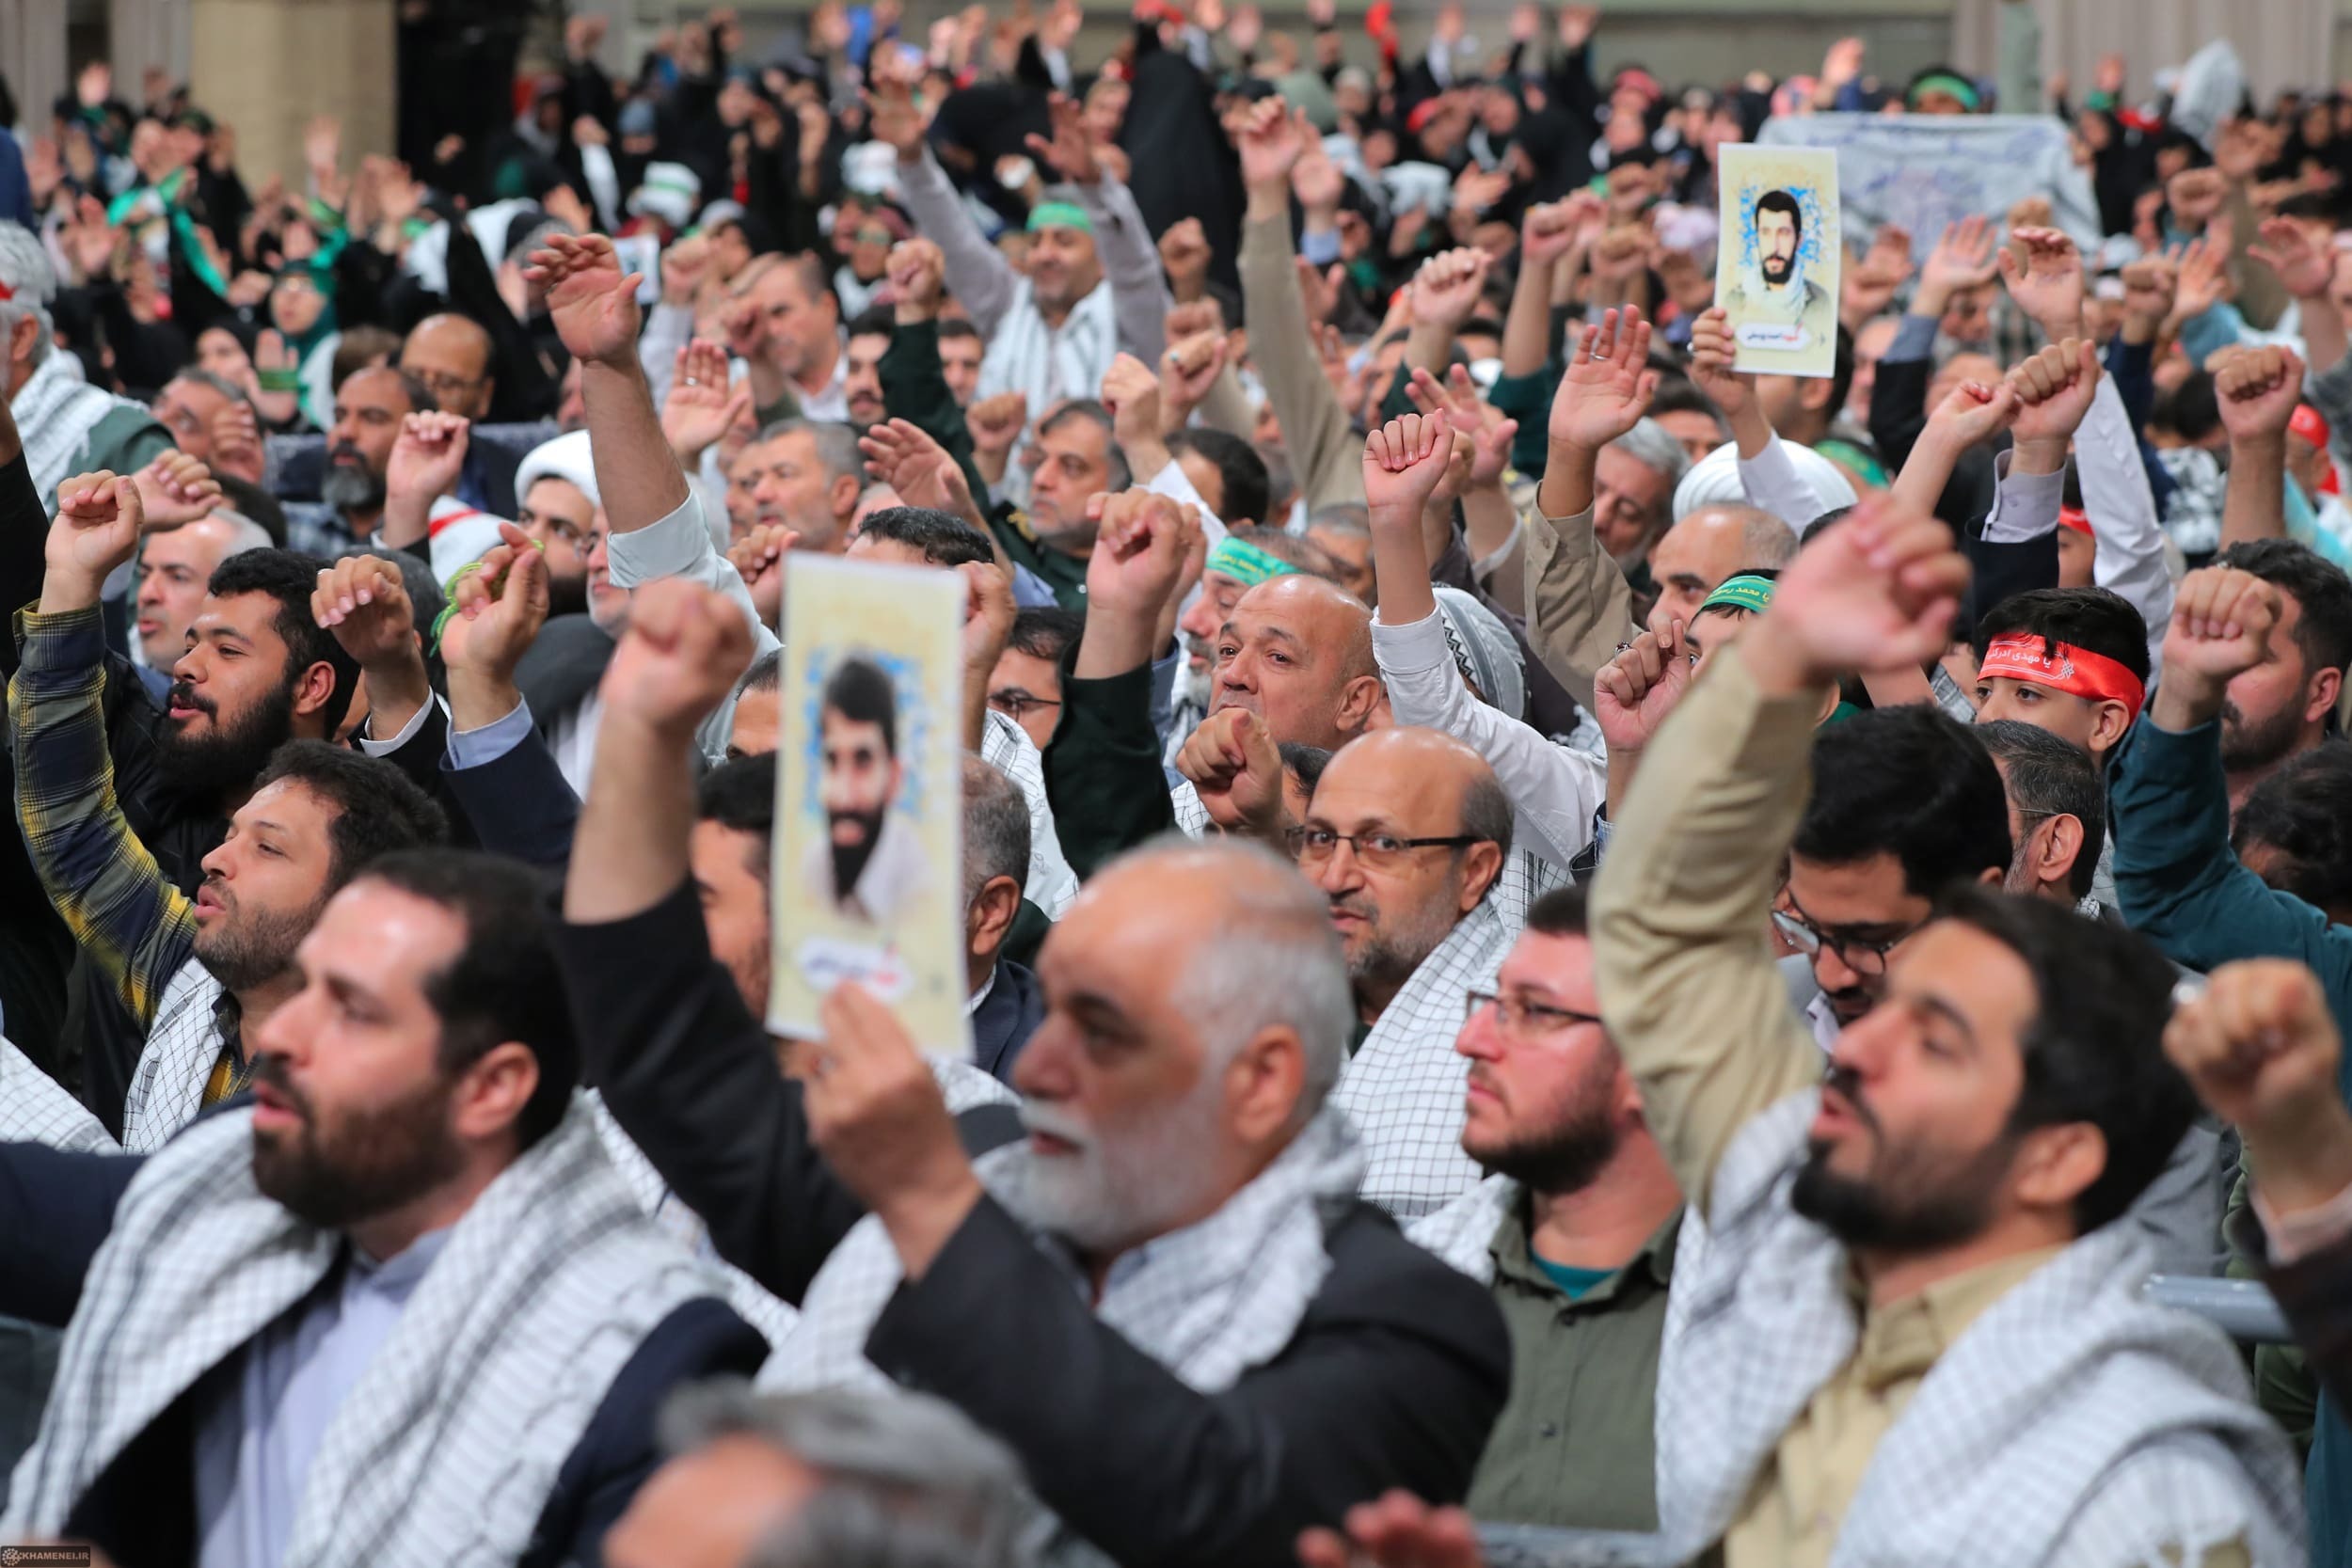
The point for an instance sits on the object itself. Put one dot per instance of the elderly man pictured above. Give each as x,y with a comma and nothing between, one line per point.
2057,811
175,567
415,1247
805,476
1573,1230
454,357
1916,1262
69,426
1091,285
1364,1364
786,326
211,420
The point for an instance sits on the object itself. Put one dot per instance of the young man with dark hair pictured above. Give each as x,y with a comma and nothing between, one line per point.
920,536
2285,703
2070,660
1236,487
1025,686
1573,1232
410,1236
1912,1306
2294,830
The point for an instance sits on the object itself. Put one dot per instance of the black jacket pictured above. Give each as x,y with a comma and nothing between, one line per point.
562,666
1394,1376
1004,1020
55,1210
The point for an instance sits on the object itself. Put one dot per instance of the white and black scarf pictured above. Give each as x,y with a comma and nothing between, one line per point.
55,411
447,1448
1208,1302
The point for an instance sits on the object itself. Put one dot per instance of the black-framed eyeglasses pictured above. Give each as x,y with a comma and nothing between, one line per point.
1016,705
1523,1020
1862,957
1314,846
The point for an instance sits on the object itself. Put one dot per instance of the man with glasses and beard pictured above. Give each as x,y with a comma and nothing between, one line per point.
869,866
399,1307
1573,1232
1905,1315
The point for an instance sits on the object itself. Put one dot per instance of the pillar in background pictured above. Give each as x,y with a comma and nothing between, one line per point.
143,35
267,67
32,56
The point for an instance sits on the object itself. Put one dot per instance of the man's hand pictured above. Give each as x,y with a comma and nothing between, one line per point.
684,646
1187,371
685,267
1446,290
1963,258
988,612
2258,388
701,406
919,275
2307,270
1474,420
893,118
1550,231
2047,284
1633,693
1138,553
758,558
362,600
1879,591
238,450
426,458
1871,284
996,423
1272,140
2221,621
876,1114
1185,252
1972,413
2195,196
2201,280
593,302
1237,769
495,611
1071,150
2148,287
1403,460
2260,1048
910,462
1608,382
2054,391
1132,393
175,488
1712,354
96,529
1397,1531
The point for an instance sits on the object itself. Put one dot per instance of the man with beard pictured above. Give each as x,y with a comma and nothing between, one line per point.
2057,811
174,574
1245,558
1903,1307
557,485
868,340
2280,706
870,866
370,408
1074,458
409,1244
1175,1095
1090,285
1778,296
1573,1232
804,475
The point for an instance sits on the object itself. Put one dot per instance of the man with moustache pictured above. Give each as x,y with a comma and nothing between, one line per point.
1573,1232
870,866
370,408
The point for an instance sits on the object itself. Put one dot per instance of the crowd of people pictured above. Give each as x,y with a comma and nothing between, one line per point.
1558,934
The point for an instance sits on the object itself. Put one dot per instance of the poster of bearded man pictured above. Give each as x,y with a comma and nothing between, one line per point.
1777,272
865,880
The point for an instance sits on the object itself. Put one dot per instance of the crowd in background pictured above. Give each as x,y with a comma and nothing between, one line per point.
1557,934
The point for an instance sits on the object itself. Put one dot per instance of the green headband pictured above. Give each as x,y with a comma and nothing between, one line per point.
1747,592
1871,468
1944,81
1246,564
1059,214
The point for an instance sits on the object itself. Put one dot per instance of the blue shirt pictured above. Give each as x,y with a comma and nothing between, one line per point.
262,1416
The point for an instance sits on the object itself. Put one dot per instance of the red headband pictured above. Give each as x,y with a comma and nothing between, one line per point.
2019,656
2075,518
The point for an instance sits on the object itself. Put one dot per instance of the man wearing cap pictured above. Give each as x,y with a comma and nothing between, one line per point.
1091,285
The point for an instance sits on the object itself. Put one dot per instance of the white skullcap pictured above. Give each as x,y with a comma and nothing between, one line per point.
1715,479
565,457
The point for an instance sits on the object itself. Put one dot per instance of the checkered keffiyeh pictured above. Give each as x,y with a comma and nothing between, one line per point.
446,1448
166,1086
2072,1422
1461,1235
1403,1088
1208,1303
963,1085
35,1110
1007,747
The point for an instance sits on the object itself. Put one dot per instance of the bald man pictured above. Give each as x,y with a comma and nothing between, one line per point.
1405,837
1713,543
1296,651
456,359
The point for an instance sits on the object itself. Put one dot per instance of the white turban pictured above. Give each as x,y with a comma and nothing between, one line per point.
1715,479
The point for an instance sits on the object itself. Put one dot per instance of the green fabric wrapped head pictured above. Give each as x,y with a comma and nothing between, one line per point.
1746,592
1059,214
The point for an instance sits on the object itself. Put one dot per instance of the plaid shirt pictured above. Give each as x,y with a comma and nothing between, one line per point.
121,908
317,529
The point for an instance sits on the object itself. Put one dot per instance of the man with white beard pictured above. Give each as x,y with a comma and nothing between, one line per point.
1197,1014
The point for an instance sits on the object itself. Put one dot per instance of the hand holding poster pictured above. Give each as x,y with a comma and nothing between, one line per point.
1776,275
867,877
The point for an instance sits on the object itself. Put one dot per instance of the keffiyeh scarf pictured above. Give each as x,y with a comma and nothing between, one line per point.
56,410
1208,1303
166,1086
446,1449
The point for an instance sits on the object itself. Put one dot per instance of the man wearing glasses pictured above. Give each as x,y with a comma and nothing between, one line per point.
1573,1232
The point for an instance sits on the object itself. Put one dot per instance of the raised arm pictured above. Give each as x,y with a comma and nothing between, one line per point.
2258,390
595,308
985,281
1130,262
1768,476
124,912
1689,990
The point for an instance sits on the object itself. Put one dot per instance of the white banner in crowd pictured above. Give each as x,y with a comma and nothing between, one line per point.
1923,172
